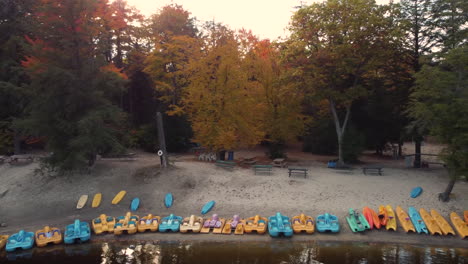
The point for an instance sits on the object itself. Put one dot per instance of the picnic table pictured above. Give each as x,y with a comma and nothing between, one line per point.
297,170
279,163
372,169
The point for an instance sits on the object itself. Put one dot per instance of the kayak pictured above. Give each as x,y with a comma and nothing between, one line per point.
207,207
391,222
168,200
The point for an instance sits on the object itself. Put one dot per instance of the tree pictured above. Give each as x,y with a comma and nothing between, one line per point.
220,101
449,16
72,84
338,46
439,102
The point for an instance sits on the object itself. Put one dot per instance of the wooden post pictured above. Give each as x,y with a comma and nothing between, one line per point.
161,139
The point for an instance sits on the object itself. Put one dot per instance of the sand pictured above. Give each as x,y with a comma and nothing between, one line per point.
30,200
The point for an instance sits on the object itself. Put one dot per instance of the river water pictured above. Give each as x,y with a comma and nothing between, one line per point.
276,252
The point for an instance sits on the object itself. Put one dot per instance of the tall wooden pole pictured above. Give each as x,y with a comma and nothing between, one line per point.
161,139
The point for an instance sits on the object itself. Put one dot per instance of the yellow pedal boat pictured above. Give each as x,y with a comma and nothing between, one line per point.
304,223
3,240
236,224
431,224
48,235
103,224
126,223
391,221
257,223
214,223
149,222
442,223
404,220
459,225
192,223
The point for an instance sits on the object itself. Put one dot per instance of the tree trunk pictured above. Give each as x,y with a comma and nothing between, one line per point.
445,196
340,130
417,152
16,142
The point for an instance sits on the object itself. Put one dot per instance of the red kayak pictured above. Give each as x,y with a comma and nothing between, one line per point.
371,217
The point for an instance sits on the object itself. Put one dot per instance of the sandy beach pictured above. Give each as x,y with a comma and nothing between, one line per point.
30,200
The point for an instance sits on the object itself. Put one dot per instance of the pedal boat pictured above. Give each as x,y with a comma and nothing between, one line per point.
191,224
170,223
442,223
405,220
459,225
214,224
148,222
303,223
279,225
328,223
103,224
3,240
77,232
48,235
20,240
417,220
126,223
256,224
357,222
431,224
236,224
391,222
371,217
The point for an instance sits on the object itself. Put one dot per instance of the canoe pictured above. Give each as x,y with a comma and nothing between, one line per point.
383,216
416,192
119,197
459,225
357,222
168,200
371,217
96,200
417,220
431,224
135,204
391,222
405,220
207,207
442,223
82,201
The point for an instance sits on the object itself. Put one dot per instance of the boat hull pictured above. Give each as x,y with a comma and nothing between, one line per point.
405,220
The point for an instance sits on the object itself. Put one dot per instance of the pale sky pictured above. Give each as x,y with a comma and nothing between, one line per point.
266,18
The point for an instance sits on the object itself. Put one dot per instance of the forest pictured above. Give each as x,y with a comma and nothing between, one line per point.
85,77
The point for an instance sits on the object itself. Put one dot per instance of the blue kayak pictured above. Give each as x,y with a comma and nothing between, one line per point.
417,220
207,207
135,204
416,192
168,200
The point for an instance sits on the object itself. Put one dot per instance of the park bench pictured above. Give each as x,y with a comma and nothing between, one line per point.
300,171
21,159
225,164
262,169
372,169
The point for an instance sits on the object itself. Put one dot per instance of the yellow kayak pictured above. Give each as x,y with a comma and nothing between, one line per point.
119,197
443,224
404,220
431,224
96,200
459,225
391,222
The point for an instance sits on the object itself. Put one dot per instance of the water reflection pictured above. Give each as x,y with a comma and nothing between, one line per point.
276,252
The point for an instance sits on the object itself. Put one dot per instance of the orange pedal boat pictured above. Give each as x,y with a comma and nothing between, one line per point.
236,224
431,224
149,222
192,223
256,224
214,224
103,224
126,223
459,225
405,220
371,217
48,235
304,223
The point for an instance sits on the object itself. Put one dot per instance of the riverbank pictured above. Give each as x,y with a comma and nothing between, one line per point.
30,200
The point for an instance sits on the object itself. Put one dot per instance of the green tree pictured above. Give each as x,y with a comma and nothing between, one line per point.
72,84
337,46
439,103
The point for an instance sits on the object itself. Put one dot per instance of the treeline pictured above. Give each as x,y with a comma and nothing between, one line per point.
88,76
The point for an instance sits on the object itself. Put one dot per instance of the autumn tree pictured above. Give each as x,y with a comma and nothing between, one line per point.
337,46
220,101
72,84
439,102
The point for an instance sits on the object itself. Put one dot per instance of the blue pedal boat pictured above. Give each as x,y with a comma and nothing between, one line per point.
22,240
327,223
77,232
279,225
170,223
417,220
